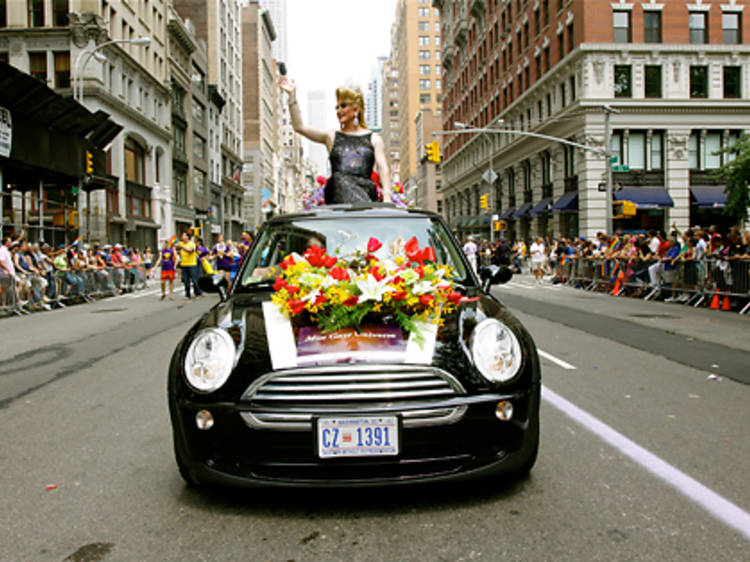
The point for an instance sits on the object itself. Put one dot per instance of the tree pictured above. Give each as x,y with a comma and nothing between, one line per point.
735,174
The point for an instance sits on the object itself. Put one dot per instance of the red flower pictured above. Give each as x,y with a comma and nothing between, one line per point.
425,299
339,274
321,180
279,284
330,261
286,262
321,299
351,301
455,297
428,254
373,244
397,280
399,295
412,248
315,256
419,270
376,273
296,306
375,177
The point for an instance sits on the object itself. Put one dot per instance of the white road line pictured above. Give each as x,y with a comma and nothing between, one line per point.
718,506
554,359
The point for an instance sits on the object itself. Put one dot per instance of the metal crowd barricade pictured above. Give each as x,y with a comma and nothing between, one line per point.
10,293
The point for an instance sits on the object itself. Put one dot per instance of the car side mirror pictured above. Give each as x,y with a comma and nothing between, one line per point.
214,284
494,275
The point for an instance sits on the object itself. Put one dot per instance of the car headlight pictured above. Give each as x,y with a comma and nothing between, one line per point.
496,351
209,360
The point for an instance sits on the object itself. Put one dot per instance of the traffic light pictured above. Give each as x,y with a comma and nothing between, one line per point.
498,226
89,163
433,151
623,209
484,201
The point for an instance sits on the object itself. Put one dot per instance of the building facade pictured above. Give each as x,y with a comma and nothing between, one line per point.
374,97
261,117
125,80
219,24
418,61
316,117
426,190
390,119
676,73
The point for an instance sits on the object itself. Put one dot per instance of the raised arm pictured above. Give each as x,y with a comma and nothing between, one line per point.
316,135
382,164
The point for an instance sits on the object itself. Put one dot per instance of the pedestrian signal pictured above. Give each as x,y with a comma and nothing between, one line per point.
433,151
498,226
484,201
89,163
623,209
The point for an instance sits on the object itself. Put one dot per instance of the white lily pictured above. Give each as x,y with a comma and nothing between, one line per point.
371,289
423,287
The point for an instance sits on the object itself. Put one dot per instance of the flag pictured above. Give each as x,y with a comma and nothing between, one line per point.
77,241
172,240
615,243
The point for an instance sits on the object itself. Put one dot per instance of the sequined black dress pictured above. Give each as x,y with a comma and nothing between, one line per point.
352,158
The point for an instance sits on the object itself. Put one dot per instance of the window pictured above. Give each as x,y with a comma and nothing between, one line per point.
424,55
180,187
657,149
537,22
424,40
698,27
546,58
438,84
732,82
437,54
698,81
563,101
693,144
526,34
38,66
637,151
621,25
424,85
423,12
571,37
712,145
199,182
135,160
623,81
425,98
199,112
179,138
3,17
569,155
653,81
423,26
730,26
36,13
437,26
62,69
60,13
438,69
424,69
545,12
437,40
178,99
572,88
199,147
652,27
615,147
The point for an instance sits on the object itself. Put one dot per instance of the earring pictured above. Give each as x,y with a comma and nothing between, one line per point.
356,120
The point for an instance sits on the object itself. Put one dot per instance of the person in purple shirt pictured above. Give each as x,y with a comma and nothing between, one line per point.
168,260
224,256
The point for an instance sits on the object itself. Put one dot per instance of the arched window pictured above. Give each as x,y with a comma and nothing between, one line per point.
135,162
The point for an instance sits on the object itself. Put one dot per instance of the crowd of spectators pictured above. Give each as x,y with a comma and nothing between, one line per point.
678,266
35,276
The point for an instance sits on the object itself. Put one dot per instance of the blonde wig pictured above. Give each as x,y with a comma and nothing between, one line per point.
352,95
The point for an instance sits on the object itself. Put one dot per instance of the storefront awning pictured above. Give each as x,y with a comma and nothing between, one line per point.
507,214
522,210
709,196
645,197
541,207
568,203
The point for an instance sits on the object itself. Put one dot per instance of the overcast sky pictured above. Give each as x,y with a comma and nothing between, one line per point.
334,42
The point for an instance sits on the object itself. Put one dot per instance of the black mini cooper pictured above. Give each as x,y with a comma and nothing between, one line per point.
255,402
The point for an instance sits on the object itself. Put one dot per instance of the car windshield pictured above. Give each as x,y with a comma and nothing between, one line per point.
345,238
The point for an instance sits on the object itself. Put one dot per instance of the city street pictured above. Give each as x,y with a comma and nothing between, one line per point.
644,453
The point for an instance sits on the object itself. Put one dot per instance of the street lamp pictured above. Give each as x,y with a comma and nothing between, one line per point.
79,68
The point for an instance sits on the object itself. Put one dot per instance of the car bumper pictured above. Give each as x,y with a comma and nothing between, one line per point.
477,445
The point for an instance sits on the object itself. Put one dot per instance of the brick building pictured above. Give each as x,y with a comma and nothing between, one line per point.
676,73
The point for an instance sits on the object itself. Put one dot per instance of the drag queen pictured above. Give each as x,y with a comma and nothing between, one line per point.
353,150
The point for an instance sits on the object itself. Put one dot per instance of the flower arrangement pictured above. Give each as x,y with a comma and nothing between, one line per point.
335,293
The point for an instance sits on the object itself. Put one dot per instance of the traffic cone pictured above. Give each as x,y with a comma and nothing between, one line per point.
726,304
715,302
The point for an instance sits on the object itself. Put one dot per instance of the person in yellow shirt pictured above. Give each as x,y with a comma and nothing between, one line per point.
189,264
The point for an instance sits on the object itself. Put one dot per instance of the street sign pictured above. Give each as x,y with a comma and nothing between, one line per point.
489,176
613,159
620,168
495,217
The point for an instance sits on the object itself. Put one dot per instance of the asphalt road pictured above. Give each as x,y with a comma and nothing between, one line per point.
83,407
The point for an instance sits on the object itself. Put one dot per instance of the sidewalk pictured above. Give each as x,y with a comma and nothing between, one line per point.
715,326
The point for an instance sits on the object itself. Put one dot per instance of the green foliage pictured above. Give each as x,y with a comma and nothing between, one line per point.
736,175
342,317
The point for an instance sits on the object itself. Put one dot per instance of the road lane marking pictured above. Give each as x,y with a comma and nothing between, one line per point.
718,506
554,359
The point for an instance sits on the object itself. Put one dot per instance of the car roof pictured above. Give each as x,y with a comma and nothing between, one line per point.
355,210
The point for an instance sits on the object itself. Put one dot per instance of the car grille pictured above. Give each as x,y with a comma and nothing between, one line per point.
289,399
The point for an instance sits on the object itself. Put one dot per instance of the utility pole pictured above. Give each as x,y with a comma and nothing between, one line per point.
608,163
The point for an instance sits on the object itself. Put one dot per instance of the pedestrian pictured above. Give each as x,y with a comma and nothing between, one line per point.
188,265
470,249
168,261
223,253
148,262
537,259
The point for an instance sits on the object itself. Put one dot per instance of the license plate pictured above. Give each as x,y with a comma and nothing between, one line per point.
357,437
